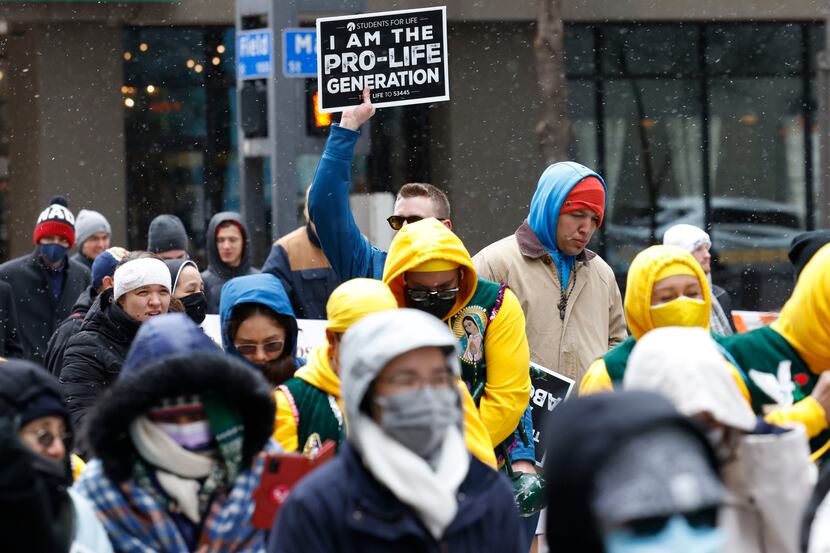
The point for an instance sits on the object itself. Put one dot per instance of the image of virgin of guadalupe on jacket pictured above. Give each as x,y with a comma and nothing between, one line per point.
471,336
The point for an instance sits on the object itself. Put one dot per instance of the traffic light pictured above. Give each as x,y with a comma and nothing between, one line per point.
317,123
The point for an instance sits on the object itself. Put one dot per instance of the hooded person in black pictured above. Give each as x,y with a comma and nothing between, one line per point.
219,271
38,511
624,468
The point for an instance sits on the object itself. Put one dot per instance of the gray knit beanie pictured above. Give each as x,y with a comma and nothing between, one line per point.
89,222
166,233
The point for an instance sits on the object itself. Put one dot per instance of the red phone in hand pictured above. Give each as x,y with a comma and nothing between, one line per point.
280,474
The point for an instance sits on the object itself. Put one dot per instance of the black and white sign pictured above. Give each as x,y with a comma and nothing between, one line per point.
401,56
546,393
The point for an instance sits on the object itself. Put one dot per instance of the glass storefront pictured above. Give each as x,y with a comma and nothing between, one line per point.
711,125
179,100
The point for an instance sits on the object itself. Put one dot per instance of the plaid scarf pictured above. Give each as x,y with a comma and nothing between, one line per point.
229,433
137,523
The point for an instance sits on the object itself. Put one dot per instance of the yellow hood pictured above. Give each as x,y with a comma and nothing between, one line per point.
805,319
428,240
318,372
354,299
642,274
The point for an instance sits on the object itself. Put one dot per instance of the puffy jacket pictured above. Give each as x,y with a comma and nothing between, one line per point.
349,252
297,260
134,518
94,356
218,273
66,330
265,289
507,389
341,507
37,314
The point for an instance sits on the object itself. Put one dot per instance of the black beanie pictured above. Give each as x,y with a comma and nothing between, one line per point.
43,405
804,247
166,233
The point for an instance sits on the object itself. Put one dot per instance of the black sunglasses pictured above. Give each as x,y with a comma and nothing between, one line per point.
397,221
703,518
423,295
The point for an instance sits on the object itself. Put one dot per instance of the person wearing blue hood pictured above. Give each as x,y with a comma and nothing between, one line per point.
568,293
258,324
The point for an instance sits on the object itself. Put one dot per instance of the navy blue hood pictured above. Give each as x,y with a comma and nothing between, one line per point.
165,336
265,289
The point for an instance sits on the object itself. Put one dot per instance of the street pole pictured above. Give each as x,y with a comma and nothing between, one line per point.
823,94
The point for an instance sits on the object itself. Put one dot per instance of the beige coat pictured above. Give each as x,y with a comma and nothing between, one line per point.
594,320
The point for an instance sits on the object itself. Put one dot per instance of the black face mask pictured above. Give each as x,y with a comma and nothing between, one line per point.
434,305
195,305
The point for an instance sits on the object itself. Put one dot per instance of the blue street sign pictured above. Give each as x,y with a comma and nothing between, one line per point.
253,54
299,53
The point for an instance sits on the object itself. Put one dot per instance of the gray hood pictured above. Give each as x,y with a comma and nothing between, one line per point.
375,340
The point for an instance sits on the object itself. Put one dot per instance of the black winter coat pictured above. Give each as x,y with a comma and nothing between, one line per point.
341,507
68,328
37,314
10,343
218,273
94,356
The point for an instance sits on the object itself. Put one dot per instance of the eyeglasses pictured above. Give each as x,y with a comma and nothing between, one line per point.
270,348
420,296
409,381
397,221
44,438
703,518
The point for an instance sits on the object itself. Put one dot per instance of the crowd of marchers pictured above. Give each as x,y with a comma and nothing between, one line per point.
124,427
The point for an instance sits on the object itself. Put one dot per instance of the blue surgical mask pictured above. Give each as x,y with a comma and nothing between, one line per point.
52,252
677,536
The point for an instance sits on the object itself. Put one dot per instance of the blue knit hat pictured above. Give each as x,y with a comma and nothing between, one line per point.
105,264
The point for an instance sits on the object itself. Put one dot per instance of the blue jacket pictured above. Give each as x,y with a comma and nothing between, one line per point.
553,188
298,261
262,288
163,336
349,252
341,507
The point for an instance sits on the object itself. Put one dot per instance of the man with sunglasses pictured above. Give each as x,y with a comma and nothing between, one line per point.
429,269
349,252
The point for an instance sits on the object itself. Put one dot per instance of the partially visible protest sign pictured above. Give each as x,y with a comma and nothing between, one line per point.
547,390
311,333
401,56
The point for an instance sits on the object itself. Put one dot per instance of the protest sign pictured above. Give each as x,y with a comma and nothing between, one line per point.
547,390
401,56
311,333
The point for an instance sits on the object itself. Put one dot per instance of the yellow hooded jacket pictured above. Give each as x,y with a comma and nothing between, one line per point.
507,387
349,303
649,266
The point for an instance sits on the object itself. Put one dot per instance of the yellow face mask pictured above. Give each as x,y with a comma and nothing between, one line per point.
682,311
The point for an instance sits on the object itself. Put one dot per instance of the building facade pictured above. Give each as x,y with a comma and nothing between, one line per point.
703,113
